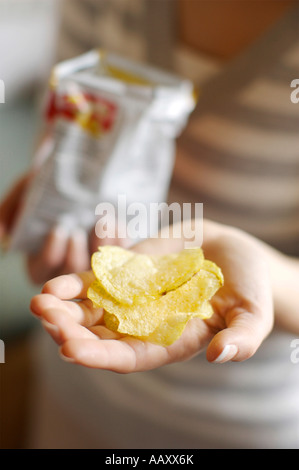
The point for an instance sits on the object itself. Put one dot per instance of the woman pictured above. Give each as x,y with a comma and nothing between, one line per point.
238,156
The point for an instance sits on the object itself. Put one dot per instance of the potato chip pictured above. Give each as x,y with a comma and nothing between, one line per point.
135,278
171,329
162,316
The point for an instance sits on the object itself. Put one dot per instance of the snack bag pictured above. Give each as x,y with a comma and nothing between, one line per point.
113,125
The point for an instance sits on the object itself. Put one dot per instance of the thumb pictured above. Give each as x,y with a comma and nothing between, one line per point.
244,334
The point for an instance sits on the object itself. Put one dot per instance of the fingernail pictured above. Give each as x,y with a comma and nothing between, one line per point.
228,353
50,326
65,358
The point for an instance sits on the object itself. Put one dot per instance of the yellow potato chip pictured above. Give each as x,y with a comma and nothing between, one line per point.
161,319
171,329
135,278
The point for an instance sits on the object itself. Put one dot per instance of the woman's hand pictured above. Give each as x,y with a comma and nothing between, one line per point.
11,204
243,311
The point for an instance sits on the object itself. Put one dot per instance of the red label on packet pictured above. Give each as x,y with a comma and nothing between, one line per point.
95,114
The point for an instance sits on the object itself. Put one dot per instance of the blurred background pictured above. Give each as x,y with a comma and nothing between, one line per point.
28,31
34,35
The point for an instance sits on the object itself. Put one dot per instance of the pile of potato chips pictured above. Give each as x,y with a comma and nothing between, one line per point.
153,297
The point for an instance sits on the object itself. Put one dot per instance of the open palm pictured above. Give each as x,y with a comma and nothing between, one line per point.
243,312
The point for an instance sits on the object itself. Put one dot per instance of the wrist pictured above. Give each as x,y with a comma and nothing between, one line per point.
284,274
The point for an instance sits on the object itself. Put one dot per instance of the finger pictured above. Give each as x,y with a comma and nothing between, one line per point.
124,356
108,354
127,354
114,355
240,340
81,312
70,286
41,266
104,333
11,203
77,254
61,326
41,302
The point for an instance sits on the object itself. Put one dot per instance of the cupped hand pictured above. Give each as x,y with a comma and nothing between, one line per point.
243,311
